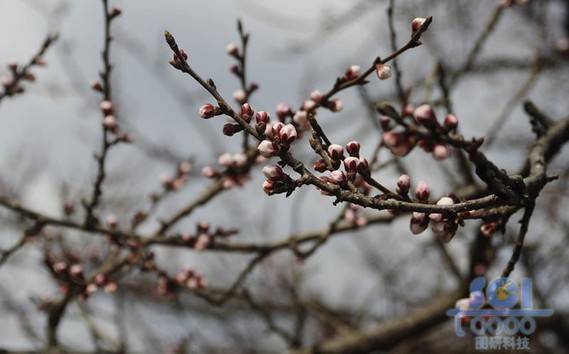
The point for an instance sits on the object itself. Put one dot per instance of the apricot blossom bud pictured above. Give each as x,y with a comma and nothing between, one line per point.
417,23
403,184
266,148
273,173
262,117
353,72
335,151
288,133
247,112
422,192
383,71
425,115
353,148
240,96
450,122
351,164
207,111
106,107
309,105
232,49
316,96
335,105
419,223
338,177
110,123
441,152
283,111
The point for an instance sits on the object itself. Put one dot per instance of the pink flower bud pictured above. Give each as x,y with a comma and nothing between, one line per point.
444,229
352,73
383,71
288,133
441,152
419,223
202,242
335,151
106,107
97,86
442,201
397,142
351,164
425,115
338,177
273,172
363,165
226,160
231,129
232,49
450,122
240,96
417,23
60,267
112,221
320,165
316,96
262,117
408,110
76,270
422,192
110,123
353,148
309,105
266,148
240,160
209,172
335,105
184,167
283,111
207,111
268,187
116,11
275,128
247,112
488,228
301,118
403,184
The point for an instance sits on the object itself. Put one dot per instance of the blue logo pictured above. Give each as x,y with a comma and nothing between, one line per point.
504,309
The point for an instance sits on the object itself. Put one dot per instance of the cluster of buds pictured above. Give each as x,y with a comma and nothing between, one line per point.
111,124
12,81
186,279
70,276
204,236
401,140
353,216
241,96
442,226
352,163
277,181
236,171
103,282
176,182
278,138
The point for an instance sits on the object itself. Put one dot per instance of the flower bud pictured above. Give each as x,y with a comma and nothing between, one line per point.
425,115
383,71
450,122
335,151
352,73
408,110
76,270
353,148
202,242
444,229
226,160
240,96
488,228
273,173
112,221
288,133
110,123
283,111
275,128
209,172
320,165
301,118
232,50
316,96
442,201
351,164
262,117
338,177
309,105
247,112
268,187
417,23
97,86
266,148
422,192
207,111
231,129
335,105
397,142
363,165
419,223
403,184
239,160
441,152
106,107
